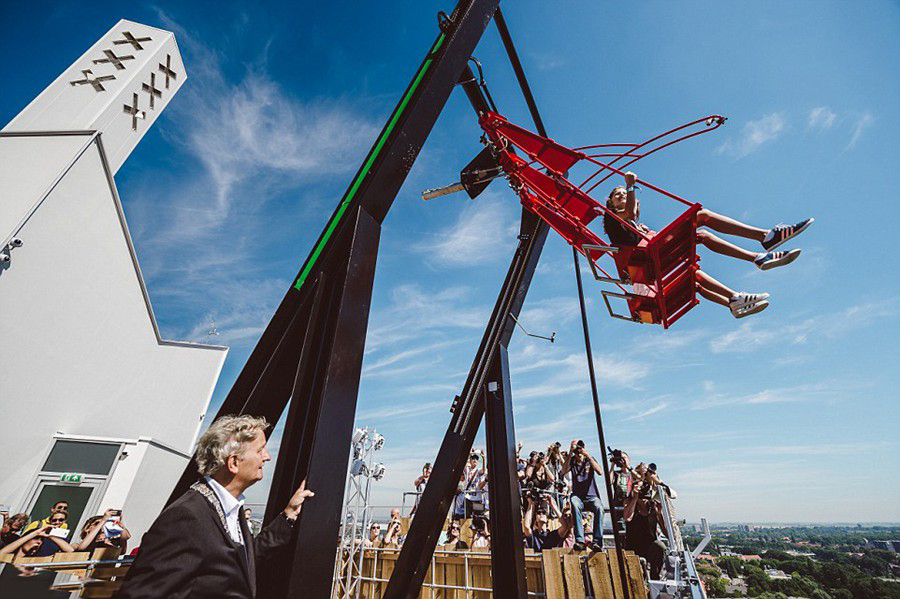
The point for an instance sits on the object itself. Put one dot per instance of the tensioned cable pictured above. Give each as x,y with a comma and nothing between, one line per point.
539,124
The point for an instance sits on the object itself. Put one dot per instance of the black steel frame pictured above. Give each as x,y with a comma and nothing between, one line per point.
310,355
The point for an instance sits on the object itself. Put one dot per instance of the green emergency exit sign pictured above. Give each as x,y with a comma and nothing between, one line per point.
71,478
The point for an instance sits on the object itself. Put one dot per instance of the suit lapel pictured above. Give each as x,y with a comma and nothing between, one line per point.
218,516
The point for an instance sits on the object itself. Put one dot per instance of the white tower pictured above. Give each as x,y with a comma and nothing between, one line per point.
97,407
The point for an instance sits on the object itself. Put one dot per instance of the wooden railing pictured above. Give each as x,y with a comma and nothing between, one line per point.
554,574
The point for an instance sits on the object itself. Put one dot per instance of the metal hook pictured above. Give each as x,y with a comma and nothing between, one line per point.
551,338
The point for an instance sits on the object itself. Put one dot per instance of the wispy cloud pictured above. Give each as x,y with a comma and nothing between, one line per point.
754,135
863,122
790,394
751,336
205,227
821,117
484,233
649,411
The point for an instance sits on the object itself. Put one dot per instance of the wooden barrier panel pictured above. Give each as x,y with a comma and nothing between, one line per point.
636,575
106,553
598,570
554,588
573,575
29,561
615,574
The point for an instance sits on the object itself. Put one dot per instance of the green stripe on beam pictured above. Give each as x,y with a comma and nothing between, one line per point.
351,193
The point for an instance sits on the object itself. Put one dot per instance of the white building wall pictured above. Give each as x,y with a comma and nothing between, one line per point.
80,350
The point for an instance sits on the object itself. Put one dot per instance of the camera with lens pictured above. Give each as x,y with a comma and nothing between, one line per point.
646,490
616,457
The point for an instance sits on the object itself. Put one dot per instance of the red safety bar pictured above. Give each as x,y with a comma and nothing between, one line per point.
661,267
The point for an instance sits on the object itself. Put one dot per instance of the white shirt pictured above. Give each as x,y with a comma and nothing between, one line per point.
231,506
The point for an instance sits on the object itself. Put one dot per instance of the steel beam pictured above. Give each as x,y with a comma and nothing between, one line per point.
317,360
507,545
468,409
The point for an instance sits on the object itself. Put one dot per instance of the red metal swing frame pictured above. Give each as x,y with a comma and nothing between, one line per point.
661,266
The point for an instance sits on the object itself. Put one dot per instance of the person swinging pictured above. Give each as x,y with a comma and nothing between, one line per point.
624,203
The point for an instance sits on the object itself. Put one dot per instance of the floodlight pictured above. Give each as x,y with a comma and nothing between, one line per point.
378,471
359,436
377,441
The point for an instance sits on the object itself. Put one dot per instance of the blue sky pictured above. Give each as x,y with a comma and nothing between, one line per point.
784,416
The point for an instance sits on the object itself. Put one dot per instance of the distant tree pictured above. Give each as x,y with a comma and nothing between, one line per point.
733,566
717,587
757,581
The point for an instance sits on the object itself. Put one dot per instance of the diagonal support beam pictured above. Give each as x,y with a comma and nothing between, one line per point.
507,545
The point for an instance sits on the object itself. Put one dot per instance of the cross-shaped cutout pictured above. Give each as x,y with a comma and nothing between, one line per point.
114,60
166,69
130,39
135,112
89,77
151,89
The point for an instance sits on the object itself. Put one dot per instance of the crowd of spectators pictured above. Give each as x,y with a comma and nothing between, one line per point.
562,504
42,537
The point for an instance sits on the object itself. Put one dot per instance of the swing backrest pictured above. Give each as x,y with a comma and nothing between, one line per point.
664,267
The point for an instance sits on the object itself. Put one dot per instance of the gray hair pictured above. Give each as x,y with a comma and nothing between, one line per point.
226,437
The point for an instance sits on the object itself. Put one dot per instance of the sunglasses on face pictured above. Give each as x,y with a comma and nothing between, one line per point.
57,521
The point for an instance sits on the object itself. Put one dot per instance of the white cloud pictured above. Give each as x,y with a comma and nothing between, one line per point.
821,118
484,233
799,393
750,336
755,134
204,230
649,411
863,122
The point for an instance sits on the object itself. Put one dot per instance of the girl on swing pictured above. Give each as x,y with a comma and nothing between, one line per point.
624,203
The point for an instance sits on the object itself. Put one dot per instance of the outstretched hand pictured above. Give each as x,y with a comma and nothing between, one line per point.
296,503
630,179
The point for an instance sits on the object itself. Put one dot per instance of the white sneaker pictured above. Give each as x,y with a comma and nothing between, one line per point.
748,310
742,299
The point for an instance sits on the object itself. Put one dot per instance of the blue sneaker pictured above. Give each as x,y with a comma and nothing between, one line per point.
781,233
775,259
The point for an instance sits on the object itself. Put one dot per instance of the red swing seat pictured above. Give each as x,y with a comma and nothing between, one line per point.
666,262
662,267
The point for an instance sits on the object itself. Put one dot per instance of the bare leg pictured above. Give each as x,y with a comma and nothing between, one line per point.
729,226
713,290
720,246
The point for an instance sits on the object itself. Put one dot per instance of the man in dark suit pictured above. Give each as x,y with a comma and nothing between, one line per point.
200,547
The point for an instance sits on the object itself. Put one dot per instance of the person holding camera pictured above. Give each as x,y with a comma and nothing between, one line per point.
392,535
536,525
103,532
419,484
585,495
40,542
468,491
481,534
642,516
